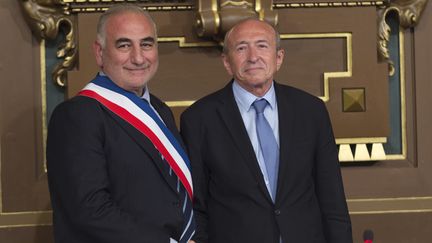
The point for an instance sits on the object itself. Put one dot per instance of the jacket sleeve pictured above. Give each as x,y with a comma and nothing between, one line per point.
192,131
329,185
79,182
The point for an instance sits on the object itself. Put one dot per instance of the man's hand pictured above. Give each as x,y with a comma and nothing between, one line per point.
191,241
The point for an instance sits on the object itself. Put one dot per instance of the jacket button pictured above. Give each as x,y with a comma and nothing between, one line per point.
277,212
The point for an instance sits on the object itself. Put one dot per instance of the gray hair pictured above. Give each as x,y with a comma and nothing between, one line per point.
115,10
227,35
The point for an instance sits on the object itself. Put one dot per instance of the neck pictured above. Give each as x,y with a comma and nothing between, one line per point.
139,92
258,90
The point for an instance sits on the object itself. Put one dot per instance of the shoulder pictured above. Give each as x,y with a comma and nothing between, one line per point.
77,104
160,106
79,109
155,100
208,103
298,97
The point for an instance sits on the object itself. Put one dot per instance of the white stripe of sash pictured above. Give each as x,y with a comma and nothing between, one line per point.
136,111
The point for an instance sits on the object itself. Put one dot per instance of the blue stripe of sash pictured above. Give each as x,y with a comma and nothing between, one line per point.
107,83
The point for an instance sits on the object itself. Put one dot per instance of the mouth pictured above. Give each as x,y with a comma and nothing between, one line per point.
252,69
137,68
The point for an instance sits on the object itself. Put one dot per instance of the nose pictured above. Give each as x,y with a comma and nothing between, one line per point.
136,56
252,55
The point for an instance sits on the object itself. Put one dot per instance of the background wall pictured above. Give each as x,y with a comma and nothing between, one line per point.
393,197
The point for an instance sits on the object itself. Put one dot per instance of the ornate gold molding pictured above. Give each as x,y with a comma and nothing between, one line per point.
102,8
328,4
214,18
409,13
45,17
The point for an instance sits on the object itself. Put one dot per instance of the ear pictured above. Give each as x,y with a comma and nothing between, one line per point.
226,62
97,50
279,57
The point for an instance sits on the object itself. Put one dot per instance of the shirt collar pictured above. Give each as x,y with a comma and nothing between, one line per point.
146,94
245,98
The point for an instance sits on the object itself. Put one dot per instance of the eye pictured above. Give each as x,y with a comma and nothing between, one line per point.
241,48
147,45
262,46
123,46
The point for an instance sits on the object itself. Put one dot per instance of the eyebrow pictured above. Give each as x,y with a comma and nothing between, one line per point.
122,40
247,42
147,39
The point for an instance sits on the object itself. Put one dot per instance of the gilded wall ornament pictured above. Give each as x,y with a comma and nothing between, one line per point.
215,18
45,18
409,13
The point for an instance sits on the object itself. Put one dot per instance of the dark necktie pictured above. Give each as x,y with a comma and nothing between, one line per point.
186,204
268,144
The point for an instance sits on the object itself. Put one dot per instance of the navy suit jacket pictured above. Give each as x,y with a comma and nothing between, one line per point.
107,181
232,203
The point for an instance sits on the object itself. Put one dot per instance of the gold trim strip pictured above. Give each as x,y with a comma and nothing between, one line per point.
390,211
395,157
43,101
182,42
386,199
361,140
328,4
390,205
403,93
328,75
26,219
79,9
184,103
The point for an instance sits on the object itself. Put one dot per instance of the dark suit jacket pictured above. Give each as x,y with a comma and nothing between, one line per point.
232,202
107,181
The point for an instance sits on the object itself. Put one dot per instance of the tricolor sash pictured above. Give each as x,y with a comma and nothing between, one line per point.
142,117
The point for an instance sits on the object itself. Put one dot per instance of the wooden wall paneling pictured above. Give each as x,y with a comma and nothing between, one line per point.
391,197
24,197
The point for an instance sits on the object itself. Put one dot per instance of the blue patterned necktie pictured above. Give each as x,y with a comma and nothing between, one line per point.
268,144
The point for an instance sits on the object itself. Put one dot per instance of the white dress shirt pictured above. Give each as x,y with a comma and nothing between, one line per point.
244,100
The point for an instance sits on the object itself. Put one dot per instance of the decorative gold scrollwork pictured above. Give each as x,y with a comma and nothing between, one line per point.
215,18
409,12
45,17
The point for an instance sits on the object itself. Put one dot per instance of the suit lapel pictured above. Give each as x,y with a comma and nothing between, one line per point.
231,117
286,120
148,148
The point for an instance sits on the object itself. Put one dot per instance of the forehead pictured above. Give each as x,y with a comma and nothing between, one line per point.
251,31
129,24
